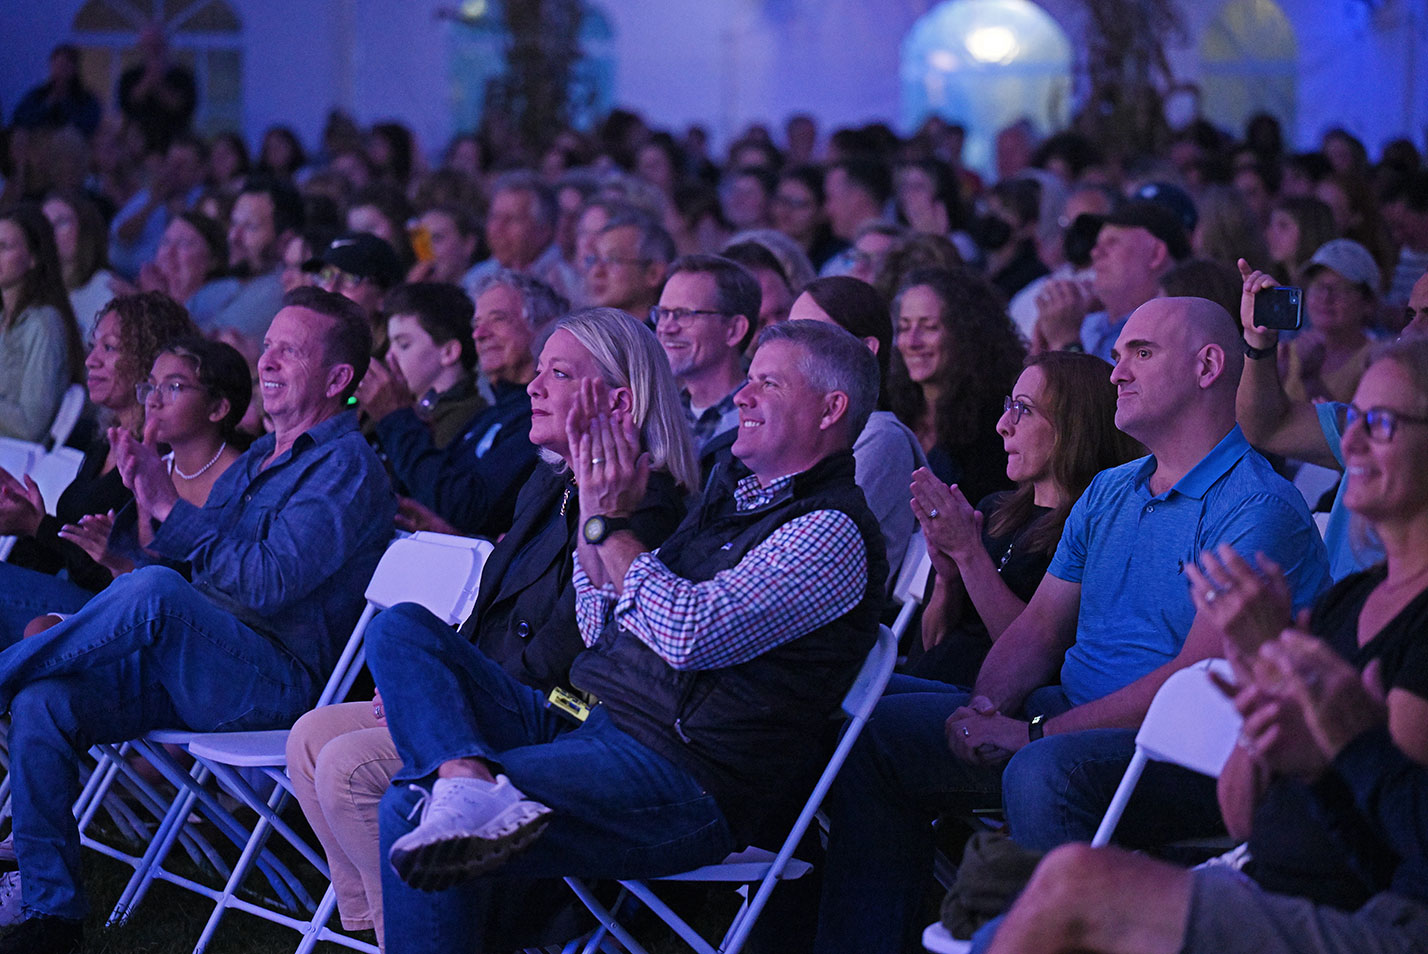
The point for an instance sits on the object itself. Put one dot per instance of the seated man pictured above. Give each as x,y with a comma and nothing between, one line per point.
1106,901
1113,616
711,665
279,555
470,485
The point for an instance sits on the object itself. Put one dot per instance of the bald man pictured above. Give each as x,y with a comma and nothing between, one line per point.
1062,691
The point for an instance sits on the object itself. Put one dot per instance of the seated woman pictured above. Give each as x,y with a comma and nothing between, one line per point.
45,572
886,452
82,242
341,757
194,399
1328,810
190,265
962,354
1059,431
40,349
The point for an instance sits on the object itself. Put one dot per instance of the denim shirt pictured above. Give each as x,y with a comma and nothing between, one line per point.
289,549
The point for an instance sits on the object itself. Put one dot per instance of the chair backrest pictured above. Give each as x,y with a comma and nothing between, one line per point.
16,456
55,471
70,408
1190,722
911,582
440,572
872,679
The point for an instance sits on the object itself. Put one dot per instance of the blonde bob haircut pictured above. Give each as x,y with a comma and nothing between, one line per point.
629,356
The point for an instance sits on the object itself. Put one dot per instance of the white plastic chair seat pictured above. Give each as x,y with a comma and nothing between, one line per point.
939,940
258,749
70,408
750,865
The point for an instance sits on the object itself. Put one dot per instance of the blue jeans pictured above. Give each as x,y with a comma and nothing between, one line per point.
148,652
1057,790
619,809
898,778
25,594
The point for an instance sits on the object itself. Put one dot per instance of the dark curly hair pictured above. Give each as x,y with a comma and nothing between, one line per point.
982,356
148,323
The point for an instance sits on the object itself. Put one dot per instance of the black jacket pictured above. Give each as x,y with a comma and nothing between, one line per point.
524,617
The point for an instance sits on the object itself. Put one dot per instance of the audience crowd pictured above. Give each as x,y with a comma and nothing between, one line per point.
709,410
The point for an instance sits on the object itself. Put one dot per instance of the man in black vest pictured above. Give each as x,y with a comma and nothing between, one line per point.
712,664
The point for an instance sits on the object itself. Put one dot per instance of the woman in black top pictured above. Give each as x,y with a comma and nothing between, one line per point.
1058,431
1305,836
44,572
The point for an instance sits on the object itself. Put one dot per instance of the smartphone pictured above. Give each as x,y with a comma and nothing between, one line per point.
1280,308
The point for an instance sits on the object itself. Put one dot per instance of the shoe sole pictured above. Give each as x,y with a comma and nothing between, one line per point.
438,864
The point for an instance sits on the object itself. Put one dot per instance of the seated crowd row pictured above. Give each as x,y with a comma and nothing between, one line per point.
697,518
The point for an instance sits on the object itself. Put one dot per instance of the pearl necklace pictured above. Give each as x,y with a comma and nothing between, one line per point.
204,469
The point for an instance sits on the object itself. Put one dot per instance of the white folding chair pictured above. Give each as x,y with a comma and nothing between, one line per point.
70,408
753,865
442,573
55,471
1189,723
911,585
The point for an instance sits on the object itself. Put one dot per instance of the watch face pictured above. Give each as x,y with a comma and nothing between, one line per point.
594,529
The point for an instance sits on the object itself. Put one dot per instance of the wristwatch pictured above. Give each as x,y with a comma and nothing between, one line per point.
1037,728
598,528
1259,354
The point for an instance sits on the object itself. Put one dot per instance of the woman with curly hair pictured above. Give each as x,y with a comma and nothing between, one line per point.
131,332
961,355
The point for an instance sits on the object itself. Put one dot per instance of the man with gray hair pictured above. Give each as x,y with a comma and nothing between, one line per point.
470,486
520,231
628,262
755,614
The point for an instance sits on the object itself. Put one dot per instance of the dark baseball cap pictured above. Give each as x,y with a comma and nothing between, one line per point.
1174,198
1156,219
364,255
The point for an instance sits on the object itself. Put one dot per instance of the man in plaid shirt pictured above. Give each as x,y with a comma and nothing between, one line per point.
712,662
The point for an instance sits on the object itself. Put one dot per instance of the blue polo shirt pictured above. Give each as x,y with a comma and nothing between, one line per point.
1128,548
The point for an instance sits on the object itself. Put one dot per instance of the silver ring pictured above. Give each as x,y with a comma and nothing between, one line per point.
933,514
1211,595
966,732
594,461
377,710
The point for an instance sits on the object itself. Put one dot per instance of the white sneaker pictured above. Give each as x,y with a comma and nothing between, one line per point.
468,827
10,913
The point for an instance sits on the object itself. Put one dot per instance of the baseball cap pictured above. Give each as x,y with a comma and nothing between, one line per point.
1175,199
1155,218
364,255
1349,259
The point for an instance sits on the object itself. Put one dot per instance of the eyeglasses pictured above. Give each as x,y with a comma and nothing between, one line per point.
681,315
590,261
1015,408
166,392
337,278
793,202
1381,422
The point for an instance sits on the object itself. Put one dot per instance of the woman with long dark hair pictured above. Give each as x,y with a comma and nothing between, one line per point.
1058,429
40,350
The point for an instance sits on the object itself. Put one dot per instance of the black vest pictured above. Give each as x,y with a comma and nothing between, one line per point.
745,732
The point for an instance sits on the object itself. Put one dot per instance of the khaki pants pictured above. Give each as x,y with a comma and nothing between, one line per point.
342,760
